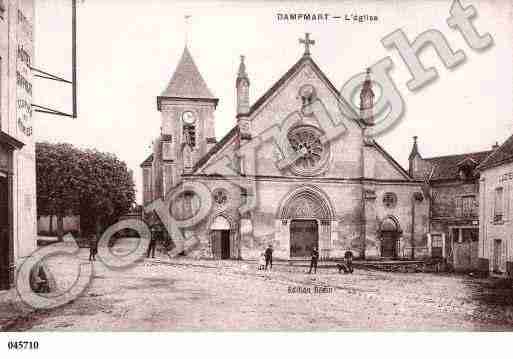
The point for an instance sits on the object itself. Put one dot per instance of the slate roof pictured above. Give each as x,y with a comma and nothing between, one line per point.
148,161
446,167
187,81
503,154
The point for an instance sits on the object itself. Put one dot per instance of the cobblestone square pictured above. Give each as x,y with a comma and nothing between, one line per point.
166,294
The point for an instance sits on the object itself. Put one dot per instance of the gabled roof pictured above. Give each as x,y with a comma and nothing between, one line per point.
385,154
447,167
258,103
304,59
503,154
187,82
147,162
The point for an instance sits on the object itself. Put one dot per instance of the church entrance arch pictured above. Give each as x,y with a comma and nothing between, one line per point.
390,234
220,236
304,236
308,215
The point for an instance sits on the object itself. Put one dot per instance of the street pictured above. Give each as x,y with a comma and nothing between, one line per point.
166,294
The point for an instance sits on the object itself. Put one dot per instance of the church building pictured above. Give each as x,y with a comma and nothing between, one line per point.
337,194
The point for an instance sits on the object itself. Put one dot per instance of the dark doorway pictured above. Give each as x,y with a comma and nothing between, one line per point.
388,244
5,243
304,236
221,243
497,255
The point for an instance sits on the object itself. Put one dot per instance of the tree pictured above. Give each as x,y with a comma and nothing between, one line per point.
57,174
107,190
95,185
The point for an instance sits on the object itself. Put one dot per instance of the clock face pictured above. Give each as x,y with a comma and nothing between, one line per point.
188,117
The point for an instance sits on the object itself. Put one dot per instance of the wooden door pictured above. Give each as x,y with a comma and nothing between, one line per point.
388,244
304,236
216,244
225,244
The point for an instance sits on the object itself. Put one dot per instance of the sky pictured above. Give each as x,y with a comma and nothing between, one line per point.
128,50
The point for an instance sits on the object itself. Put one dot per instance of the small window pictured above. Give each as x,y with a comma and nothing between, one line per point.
436,245
189,134
468,206
498,207
220,196
389,200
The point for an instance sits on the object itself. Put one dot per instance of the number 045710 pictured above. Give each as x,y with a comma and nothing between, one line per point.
23,345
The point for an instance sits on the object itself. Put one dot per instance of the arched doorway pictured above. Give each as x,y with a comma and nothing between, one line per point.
220,236
308,215
304,236
390,233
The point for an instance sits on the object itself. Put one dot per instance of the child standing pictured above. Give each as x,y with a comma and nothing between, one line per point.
93,247
261,261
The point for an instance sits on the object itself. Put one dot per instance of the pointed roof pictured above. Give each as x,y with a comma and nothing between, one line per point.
367,84
187,82
242,74
267,95
302,61
500,155
414,150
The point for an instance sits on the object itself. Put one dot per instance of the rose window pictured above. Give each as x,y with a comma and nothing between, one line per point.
311,155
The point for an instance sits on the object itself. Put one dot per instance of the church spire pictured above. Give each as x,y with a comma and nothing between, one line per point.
242,86
187,82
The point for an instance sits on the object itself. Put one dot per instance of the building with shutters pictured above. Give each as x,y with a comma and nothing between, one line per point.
496,212
17,149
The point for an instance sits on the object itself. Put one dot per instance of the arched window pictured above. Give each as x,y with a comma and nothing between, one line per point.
189,134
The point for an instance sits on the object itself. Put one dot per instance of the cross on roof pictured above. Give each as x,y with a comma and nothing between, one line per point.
307,43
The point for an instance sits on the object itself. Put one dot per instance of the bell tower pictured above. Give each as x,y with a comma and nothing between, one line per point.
187,133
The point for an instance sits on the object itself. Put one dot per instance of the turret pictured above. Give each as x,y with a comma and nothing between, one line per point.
367,101
242,86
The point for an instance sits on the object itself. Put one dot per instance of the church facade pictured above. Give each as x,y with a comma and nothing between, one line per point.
335,193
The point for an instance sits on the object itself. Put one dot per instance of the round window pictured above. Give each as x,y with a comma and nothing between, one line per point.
310,153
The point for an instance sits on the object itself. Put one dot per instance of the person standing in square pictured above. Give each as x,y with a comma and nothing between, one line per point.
348,256
93,247
269,257
153,241
313,260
